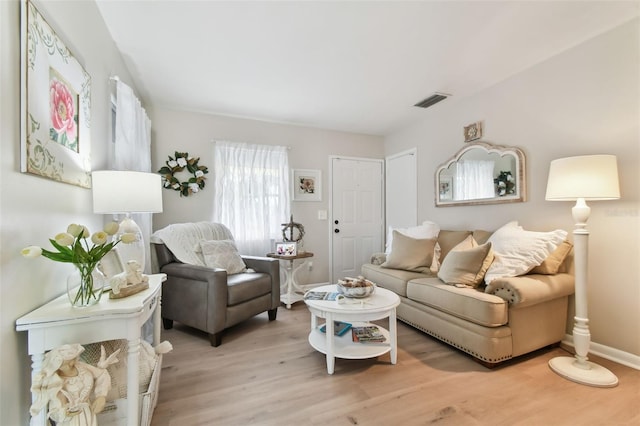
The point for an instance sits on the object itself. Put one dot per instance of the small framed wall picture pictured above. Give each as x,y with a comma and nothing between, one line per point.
287,248
473,131
307,185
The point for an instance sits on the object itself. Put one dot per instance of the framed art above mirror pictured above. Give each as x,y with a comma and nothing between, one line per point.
481,173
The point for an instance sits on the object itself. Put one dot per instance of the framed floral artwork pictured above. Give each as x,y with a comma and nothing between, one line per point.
307,185
56,105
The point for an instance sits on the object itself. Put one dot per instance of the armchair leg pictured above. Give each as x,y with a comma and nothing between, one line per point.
215,339
272,314
167,323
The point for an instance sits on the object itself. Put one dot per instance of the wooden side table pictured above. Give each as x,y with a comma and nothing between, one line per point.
290,290
57,323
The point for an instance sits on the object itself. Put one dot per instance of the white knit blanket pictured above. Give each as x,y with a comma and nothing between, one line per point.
183,239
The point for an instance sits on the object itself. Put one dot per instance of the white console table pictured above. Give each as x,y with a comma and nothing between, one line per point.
57,323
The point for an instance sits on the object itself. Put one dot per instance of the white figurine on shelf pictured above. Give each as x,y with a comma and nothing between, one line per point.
74,390
132,277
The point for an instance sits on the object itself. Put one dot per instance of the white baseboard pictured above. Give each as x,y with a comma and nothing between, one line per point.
607,352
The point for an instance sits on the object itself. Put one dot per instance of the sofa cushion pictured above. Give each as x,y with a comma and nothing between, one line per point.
410,254
391,279
518,251
466,266
466,303
552,263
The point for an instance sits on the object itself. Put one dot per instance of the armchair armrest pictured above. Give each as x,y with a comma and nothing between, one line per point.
266,265
271,267
527,290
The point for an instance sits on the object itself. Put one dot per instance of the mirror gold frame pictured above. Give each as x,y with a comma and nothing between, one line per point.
444,185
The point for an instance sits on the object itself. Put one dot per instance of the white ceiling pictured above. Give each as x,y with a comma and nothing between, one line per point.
354,66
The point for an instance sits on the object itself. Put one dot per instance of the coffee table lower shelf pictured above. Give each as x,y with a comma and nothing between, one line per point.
344,347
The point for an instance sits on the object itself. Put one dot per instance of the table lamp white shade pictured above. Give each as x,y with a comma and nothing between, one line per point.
587,177
119,191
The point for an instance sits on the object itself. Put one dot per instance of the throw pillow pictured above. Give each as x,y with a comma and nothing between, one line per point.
465,244
425,231
551,264
466,266
518,251
410,253
222,254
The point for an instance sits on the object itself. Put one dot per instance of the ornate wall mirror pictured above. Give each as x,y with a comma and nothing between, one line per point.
481,173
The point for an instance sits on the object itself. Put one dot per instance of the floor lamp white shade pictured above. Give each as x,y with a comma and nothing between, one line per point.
587,177
126,192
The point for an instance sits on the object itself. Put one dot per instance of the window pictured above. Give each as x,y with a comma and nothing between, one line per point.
251,193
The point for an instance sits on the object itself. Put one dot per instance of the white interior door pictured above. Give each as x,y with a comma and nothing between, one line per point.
357,214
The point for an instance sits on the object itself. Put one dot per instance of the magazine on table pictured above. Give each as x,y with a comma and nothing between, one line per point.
320,295
339,328
367,334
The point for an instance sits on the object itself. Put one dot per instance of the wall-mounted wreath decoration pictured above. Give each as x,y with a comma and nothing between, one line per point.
178,164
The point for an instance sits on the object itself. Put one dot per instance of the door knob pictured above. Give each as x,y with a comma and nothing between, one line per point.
336,221
336,230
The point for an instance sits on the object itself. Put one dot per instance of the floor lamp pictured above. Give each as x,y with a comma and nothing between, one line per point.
588,177
126,192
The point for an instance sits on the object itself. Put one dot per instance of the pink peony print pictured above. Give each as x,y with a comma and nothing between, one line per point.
63,113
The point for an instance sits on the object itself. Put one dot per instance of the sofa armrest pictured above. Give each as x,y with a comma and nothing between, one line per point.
532,289
378,258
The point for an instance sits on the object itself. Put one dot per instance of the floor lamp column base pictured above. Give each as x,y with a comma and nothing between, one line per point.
596,375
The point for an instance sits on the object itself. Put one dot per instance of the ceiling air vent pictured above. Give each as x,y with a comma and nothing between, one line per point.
432,100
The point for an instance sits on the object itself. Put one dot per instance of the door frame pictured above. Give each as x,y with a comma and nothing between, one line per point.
333,280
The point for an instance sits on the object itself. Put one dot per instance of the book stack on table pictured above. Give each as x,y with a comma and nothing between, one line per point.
367,334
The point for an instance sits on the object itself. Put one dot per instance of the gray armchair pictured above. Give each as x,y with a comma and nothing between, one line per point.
210,300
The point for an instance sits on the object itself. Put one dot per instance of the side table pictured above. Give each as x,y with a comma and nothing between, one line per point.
57,323
290,291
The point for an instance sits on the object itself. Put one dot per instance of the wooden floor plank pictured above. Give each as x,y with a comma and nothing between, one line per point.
266,373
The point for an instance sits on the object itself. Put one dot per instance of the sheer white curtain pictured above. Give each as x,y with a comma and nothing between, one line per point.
473,180
252,193
132,148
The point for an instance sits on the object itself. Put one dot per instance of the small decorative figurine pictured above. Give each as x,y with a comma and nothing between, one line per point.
74,390
128,282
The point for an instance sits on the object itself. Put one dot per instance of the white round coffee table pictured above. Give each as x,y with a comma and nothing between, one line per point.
358,312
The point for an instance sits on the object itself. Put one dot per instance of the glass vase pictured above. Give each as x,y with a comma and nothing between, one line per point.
85,285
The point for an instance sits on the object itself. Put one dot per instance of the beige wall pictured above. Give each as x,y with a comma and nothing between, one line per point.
310,149
583,101
33,209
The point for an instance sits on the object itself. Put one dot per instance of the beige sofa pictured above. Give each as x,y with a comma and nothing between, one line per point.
495,322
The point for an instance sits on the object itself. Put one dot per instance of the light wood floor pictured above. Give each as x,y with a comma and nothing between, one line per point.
265,373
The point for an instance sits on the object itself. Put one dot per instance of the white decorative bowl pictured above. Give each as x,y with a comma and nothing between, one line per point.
356,287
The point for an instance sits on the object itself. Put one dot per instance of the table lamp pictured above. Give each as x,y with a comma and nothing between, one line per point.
126,192
588,177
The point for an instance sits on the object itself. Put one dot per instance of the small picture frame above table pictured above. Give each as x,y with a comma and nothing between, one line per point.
288,248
